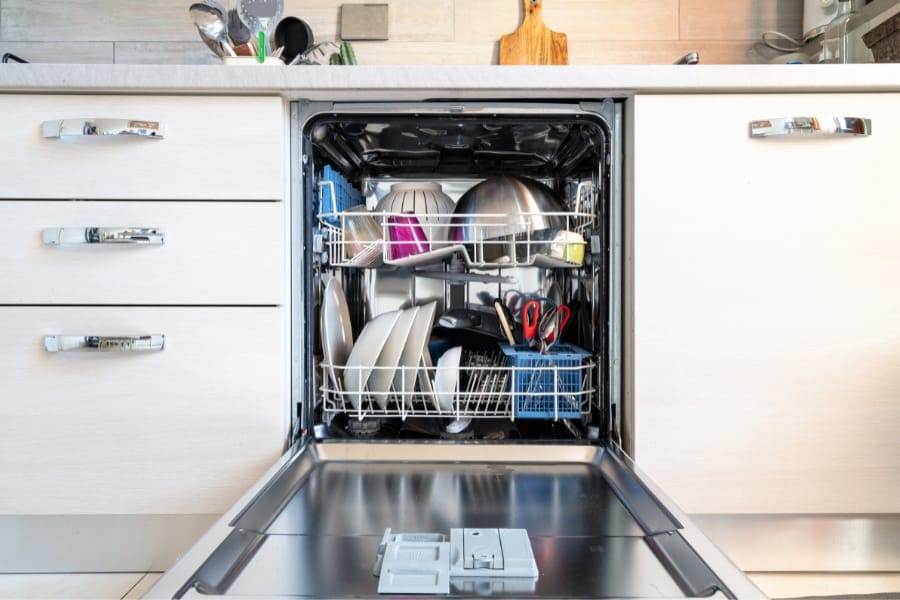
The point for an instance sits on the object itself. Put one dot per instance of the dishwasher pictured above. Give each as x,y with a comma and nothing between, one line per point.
457,372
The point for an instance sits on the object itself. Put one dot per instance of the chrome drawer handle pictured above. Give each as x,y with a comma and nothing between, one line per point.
104,343
798,126
76,236
88,127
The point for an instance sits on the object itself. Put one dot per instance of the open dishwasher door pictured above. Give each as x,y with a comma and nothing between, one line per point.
598,528
520,439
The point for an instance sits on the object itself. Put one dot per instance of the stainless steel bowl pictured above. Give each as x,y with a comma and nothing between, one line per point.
506,206
500,213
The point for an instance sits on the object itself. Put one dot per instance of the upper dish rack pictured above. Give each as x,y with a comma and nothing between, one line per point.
359,238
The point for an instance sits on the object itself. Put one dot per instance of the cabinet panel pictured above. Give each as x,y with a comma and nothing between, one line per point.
213,148
183,430
767,305
212,253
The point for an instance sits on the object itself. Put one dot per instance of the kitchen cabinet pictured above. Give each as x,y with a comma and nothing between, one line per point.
180,431
203,253
205,148
145,354
766,304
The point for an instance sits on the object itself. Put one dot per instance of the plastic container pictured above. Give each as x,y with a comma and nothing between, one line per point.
548,386
406,236
251,61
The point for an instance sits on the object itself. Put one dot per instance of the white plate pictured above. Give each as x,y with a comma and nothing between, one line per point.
337,336
446,377
365,354
425,384
382,376
416,346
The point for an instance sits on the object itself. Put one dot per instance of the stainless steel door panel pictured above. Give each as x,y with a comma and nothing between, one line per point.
358,498
597,526
341,567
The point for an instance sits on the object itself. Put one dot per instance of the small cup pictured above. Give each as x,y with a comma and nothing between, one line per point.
361,230
567,246
406,236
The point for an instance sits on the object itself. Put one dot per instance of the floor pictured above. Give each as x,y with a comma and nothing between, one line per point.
93,586
112,586
794,585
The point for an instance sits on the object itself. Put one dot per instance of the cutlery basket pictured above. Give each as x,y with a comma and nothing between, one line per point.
549,385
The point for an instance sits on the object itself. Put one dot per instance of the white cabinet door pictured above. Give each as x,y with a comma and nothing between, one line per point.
213,148
767,305
184,430
211,253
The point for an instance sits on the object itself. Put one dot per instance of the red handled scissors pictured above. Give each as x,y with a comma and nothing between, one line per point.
564,313
531,316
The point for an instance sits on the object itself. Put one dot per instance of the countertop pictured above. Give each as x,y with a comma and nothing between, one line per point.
434,82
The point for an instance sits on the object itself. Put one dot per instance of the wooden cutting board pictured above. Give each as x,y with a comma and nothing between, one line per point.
533,43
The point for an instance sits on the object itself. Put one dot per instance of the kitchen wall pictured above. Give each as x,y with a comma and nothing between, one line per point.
421,31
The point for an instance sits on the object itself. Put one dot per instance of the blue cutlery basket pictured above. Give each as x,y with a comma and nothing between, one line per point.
336,195
547,386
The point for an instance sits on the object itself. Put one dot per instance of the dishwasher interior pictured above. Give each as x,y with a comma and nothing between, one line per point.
483,417
433,224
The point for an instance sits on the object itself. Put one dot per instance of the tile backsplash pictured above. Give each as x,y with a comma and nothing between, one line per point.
421,32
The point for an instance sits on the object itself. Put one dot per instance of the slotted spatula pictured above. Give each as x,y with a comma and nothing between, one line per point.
258,16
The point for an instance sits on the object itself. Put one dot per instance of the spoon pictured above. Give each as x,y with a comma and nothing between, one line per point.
211,24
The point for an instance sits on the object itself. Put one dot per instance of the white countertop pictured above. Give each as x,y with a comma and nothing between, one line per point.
431,82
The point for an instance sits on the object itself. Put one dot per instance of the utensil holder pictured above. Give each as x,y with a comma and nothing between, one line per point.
549,385
247,61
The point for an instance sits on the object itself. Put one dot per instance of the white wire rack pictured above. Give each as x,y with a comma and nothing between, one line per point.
474,391
363,238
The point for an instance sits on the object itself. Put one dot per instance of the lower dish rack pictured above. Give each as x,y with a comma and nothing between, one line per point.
513,384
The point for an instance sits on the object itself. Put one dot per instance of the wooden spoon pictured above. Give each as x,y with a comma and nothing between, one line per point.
533,43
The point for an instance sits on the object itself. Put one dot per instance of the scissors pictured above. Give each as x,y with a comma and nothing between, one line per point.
531,317
563,314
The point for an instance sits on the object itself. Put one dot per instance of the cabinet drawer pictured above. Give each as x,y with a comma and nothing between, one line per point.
212,148
211,253
182,430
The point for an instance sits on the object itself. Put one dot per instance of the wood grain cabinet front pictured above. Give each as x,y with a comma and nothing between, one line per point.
144,363
142,147
151,253
113,429
767,302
